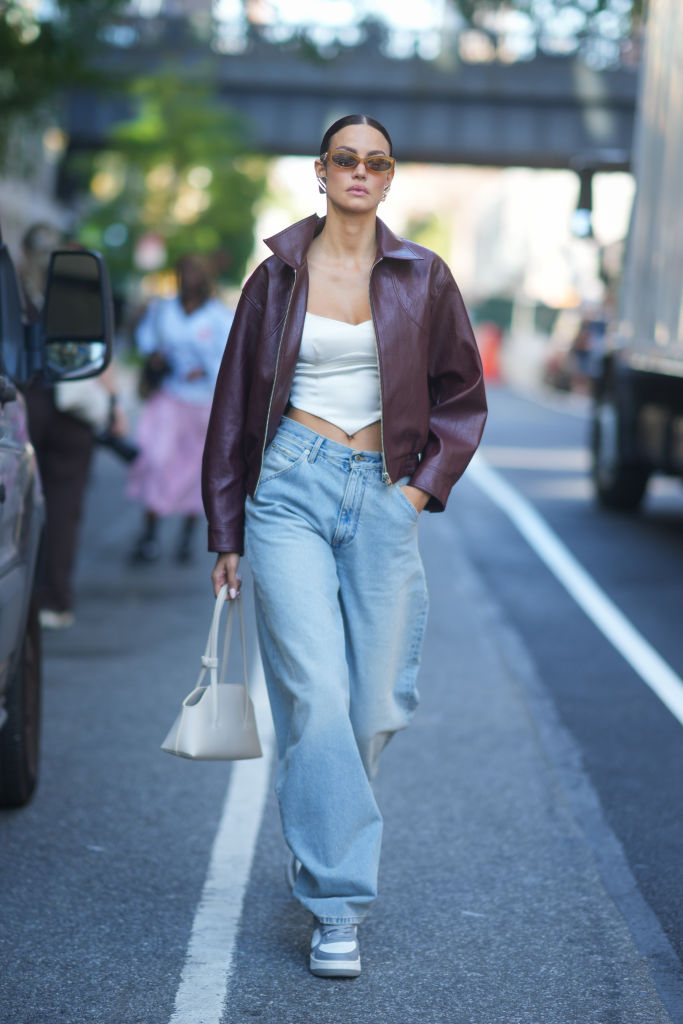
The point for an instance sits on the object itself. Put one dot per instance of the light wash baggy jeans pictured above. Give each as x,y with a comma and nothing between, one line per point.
341,606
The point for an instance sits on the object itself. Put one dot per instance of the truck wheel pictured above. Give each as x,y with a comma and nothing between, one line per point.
618,484
20,735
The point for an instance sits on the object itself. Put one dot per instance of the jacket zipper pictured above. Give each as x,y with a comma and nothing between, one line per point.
386,479
272,390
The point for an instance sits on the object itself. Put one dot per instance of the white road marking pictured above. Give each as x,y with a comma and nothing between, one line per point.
205,978
602,611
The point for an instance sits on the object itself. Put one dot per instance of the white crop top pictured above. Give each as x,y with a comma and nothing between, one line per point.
336,376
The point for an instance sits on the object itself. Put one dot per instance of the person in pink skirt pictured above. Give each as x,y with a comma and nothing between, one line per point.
186,337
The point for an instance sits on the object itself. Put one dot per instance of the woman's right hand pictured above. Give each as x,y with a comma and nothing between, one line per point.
225,571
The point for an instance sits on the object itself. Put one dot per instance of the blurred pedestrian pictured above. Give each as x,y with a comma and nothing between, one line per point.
182,339
63,441
350,398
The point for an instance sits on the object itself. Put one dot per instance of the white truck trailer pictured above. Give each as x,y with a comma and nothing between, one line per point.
638,412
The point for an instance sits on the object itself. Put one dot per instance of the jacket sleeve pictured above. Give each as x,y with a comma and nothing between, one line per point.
224,466
458,400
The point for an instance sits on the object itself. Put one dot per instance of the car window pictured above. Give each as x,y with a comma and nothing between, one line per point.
11,326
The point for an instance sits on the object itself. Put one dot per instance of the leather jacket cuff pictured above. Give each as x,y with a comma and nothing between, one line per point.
224,541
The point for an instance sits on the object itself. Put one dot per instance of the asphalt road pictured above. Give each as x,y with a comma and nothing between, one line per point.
631,745
533,828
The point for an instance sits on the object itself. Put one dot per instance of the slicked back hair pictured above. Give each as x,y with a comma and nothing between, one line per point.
353,119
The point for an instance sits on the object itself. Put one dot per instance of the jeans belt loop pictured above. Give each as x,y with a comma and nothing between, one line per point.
316,448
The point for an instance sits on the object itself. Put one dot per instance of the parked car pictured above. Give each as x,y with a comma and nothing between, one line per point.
72,340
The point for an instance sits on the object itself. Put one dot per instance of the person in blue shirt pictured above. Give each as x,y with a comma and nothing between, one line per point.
186,335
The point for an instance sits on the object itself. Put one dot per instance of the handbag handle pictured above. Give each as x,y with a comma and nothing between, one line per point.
210,657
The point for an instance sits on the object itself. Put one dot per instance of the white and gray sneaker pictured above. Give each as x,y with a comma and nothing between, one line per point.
335,952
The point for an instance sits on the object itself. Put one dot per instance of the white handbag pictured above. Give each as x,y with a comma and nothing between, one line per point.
217,722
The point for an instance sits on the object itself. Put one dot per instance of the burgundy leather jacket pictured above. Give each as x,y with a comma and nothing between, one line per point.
432,388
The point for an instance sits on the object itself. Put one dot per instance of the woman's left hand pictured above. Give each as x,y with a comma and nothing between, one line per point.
417,497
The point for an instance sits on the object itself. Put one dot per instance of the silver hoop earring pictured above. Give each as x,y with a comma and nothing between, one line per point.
322,186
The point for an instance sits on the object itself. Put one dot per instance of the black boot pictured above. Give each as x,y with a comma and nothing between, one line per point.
146,549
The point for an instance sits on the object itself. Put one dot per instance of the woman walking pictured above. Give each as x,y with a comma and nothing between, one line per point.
350,398
185,335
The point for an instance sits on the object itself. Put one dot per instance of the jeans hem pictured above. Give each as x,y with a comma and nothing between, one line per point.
340,920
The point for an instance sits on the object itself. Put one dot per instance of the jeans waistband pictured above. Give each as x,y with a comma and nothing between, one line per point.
320,446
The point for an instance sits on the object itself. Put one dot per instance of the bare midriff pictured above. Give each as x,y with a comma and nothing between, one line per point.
368,439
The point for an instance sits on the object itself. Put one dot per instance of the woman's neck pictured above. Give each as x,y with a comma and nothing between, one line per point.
350,239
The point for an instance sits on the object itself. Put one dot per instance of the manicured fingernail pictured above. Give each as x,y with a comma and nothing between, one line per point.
233,592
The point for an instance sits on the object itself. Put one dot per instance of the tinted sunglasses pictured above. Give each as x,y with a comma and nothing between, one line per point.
378,164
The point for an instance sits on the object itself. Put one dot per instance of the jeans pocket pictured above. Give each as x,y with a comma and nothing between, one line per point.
403,498
279,458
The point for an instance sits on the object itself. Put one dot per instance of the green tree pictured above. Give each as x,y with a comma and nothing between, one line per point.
601,32
42,55
613,18
542,9
179,171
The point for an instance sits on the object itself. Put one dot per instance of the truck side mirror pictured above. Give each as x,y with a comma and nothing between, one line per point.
77,324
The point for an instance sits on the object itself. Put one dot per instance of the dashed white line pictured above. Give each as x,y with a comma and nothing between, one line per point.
602,611
205,977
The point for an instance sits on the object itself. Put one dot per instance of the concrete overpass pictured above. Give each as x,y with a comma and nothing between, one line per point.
547,112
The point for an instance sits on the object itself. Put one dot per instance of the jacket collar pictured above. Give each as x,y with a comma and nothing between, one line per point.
291,245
